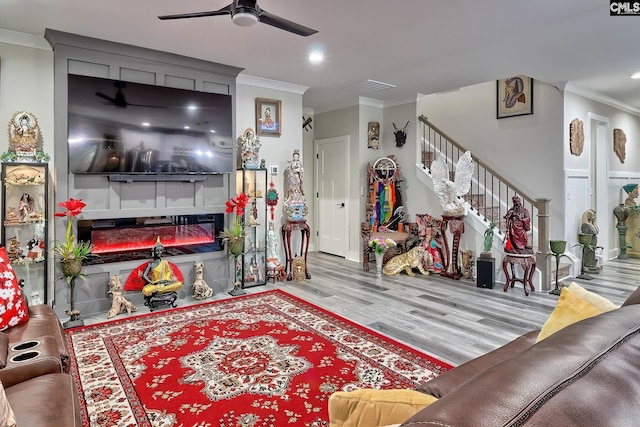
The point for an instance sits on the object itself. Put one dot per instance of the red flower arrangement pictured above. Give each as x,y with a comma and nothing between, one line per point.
70,249
235,231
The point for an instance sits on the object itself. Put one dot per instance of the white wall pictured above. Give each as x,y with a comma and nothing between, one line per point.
26,83
526,150
579,168
345,122
277,150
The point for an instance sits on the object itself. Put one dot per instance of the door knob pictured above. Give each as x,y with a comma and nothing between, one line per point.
341,204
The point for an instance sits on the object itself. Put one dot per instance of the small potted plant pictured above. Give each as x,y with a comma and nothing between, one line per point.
71,252
234,234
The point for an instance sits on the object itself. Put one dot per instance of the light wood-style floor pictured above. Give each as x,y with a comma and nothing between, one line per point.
453,320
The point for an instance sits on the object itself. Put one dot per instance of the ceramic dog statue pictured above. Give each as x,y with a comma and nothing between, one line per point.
200,288
119,303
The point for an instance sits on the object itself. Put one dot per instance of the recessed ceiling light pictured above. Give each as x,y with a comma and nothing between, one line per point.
636,75
146,124
186,127
316,57
212,131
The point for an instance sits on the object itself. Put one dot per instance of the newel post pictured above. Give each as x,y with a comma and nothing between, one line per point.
543,242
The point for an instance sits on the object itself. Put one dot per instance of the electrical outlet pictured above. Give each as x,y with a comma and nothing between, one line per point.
273,169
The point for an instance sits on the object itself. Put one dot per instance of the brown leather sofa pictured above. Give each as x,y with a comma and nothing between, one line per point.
36,361
587,374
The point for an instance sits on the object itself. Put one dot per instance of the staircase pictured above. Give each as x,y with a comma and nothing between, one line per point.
490,198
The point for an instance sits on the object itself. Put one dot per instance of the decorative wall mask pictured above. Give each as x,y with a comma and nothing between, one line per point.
619,142
401,135
576,136
373,135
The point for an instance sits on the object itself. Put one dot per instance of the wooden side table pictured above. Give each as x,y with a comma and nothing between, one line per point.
528,264
304,245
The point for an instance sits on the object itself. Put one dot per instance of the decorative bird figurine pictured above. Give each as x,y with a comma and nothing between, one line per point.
450,192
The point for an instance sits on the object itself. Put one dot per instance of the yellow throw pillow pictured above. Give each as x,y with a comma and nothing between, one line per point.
570,309
367,407
595,299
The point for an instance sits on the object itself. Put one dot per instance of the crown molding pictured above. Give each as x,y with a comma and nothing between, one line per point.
271,84
24,39
370,102
598,97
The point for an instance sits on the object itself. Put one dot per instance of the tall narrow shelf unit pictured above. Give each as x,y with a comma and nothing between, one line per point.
24,223
253,182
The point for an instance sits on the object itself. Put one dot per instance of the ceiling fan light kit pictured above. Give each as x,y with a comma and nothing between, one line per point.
244,19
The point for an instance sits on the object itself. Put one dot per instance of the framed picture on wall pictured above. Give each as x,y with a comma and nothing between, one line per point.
514,96
268,117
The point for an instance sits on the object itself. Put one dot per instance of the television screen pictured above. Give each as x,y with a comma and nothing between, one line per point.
123,127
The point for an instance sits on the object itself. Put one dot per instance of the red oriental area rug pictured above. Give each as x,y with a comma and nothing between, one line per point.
267,359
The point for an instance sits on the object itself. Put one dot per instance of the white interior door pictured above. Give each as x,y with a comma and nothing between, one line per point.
331,192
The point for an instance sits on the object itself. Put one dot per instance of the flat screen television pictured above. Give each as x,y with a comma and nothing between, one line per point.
117,127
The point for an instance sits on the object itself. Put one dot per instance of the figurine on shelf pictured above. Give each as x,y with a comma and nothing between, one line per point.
15,252
25,206
273,260
35,248
252,272
249,145
12,216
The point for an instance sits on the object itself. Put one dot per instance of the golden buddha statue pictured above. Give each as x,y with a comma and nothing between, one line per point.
159,274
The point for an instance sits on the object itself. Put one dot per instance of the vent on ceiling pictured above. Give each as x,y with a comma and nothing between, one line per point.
370,86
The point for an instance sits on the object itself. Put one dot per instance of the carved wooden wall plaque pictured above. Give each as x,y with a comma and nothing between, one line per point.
576,136
619,142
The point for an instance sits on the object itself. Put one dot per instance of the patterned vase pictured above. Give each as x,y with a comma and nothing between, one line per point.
235,247
71,267
379,258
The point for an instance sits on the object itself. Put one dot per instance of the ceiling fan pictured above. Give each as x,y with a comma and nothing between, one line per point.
246,13
119,100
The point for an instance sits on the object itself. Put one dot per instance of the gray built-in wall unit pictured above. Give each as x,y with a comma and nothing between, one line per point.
161,196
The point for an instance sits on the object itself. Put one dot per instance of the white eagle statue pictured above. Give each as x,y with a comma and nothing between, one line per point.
450,192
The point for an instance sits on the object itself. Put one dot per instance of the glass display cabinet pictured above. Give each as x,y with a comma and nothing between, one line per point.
24,224
253,182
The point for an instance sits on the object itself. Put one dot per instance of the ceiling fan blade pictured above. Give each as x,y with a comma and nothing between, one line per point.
106,98
284,24
224,11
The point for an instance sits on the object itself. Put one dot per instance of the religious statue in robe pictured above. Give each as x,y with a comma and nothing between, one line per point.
518,226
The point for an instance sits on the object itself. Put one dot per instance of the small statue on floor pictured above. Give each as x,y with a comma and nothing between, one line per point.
468,259
518,225
200,288
162,284
589,229
119,303
406,261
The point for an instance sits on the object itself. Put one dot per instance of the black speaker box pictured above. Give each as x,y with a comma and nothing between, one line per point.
486,272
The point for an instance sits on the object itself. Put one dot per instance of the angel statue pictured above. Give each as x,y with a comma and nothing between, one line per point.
449,192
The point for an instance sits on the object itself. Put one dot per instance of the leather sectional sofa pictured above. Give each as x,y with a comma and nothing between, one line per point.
35,357
584,374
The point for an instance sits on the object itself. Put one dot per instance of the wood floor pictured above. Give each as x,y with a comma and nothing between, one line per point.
451,319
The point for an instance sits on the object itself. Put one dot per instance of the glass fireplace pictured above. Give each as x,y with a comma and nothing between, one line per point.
125,239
